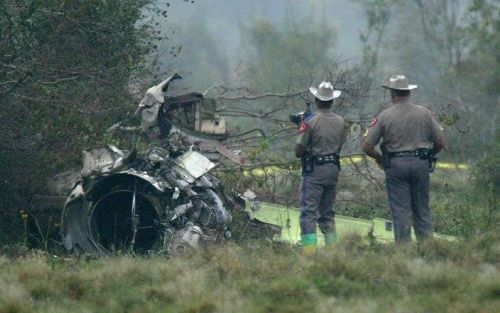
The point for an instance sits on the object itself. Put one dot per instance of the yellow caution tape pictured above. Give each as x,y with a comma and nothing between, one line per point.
267,170
440,165
447,166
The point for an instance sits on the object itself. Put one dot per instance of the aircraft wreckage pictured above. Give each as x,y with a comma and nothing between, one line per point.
163,200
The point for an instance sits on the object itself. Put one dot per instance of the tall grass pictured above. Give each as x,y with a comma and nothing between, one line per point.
462,276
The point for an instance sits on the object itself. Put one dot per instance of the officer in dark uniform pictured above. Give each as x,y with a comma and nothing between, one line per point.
410,138
318,145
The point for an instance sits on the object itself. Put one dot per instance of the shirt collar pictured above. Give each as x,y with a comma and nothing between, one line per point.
324,111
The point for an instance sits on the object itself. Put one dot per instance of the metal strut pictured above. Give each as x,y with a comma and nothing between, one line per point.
135,218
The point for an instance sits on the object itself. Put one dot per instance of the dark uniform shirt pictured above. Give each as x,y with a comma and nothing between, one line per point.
322,133
404,127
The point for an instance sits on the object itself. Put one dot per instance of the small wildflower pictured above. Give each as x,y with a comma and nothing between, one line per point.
24,215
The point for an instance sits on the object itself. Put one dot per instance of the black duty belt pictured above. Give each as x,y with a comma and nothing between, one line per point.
309,161
327,158
422,153
402,154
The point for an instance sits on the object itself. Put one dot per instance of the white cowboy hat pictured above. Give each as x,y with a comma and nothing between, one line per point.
325,91
399,82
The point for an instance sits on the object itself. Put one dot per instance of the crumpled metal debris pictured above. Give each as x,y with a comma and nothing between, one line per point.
161,201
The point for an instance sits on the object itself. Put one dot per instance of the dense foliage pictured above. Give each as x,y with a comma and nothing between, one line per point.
65,70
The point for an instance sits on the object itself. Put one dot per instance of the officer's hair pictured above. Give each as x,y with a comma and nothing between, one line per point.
400,93
324,104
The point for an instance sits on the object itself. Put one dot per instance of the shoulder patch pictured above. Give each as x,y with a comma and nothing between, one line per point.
303,127
374,121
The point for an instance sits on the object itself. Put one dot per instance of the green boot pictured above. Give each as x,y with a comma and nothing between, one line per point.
309,243
330,238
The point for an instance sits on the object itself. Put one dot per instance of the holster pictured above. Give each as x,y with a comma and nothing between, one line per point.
307,164
432,163
430,156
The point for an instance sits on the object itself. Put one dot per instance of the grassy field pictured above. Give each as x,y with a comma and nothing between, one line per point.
439,276
363,272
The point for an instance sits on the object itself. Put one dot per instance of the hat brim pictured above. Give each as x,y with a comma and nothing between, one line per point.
410,87
314,91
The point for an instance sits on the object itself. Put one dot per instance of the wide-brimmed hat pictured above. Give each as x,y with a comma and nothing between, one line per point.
325,91
399,82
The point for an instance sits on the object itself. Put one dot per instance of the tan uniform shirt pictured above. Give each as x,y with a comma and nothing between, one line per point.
404,127
322,133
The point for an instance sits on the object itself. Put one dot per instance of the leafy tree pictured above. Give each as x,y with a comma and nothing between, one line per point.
65,70
486,176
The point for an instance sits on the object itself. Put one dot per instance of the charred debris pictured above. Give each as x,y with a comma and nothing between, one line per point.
160,201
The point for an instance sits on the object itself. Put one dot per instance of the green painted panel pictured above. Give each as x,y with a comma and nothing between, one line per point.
288,219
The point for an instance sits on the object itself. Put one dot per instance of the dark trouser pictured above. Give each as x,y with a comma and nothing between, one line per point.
317,193
407,181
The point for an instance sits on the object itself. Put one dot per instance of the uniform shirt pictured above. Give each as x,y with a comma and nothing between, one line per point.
404,127
322,133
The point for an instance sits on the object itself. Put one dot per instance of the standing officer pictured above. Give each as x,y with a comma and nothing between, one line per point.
410,139
318,145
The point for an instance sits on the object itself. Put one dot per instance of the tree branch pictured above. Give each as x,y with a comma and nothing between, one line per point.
266,95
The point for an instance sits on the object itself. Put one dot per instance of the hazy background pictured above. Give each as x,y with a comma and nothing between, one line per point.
218,28
445,47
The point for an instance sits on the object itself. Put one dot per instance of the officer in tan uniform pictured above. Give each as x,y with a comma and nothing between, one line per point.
410,137
318,145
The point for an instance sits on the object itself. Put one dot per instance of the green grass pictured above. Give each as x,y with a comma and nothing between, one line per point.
351,276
